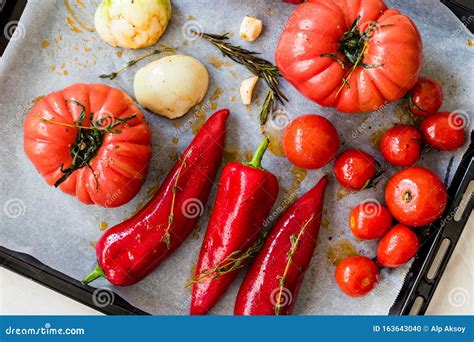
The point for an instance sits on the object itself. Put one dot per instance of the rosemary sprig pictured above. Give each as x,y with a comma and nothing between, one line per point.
232,262
166,236
88,140
114,74
281,279
268,107
256,65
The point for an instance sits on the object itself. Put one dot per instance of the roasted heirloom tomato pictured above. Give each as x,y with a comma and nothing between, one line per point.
355,55
416,196
426,97
91,141
356,275
401,145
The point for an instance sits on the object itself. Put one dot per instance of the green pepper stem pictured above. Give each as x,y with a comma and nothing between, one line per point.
96,273
256,161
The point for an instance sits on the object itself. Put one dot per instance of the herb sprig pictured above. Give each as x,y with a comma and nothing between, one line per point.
166,236
256,65
353,47
294,240
88,140
114,74
232,262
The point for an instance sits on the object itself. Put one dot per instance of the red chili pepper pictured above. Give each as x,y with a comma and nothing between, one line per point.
245,196
273,281
131,250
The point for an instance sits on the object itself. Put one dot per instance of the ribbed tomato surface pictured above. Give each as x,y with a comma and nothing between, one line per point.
118,168
315,34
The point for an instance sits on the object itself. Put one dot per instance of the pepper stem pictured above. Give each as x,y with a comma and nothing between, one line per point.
96,273
256,161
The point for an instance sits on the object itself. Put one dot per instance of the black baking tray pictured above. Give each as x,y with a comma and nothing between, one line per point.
418,288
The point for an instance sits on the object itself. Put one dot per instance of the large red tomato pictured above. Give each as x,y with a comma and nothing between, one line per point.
355,55
110,159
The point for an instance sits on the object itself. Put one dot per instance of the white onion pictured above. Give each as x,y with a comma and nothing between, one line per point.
171,85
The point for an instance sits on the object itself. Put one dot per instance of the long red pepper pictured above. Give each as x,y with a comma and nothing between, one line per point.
273,281
129,251
245,196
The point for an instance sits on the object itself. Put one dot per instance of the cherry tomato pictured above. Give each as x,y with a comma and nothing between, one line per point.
354,169
356,275
400,145
426,97
310,141
370,220
444,131
398,246
416,196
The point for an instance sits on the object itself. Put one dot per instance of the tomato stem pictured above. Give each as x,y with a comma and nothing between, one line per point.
407,197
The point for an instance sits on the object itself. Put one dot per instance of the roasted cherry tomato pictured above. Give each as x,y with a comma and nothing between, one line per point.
444,131
354,169
370,220
416,196
356,275
400,145
426,97
398,246
310,141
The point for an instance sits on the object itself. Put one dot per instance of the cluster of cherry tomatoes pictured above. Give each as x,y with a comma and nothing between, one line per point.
415,196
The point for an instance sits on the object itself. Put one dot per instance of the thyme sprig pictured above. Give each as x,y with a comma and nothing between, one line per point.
166,236
114,74
294,240
353,47
234,261
88,140
255,64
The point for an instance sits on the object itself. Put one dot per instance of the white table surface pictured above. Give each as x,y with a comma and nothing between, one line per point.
454,295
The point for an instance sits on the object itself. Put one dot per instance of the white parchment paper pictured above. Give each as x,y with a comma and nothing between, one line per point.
51,50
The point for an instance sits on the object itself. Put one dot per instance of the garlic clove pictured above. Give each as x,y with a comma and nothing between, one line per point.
250,28
246,89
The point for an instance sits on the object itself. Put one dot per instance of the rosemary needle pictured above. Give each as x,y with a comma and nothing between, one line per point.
255,64
114,74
